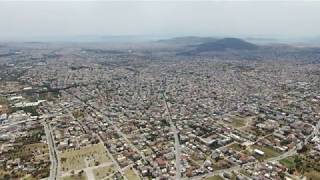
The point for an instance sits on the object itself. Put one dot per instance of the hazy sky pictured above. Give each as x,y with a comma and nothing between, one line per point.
23,20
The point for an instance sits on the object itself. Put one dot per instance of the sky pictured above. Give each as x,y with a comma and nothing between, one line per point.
35,19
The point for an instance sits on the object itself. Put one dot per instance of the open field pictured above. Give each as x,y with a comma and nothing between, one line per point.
238,122
76,177
312,175
86,156
216,177
130,174
103,172
268,152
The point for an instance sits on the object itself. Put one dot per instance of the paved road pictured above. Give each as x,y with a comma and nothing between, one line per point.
56,152
177,146
54,167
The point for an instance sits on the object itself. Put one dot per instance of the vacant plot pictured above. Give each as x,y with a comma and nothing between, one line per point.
4,105
221,164
237,121
77,114
103,172
28,177
28,151
130,174
236,147
38,148
88,156
197,159
147,151
216,177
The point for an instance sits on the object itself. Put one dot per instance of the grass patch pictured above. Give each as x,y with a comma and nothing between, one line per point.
103,172
130,174
91,155
288,162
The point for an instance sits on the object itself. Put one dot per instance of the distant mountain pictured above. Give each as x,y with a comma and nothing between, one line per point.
225,44
188,40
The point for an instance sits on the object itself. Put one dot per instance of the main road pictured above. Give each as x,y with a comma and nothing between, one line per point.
177,146
54,167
